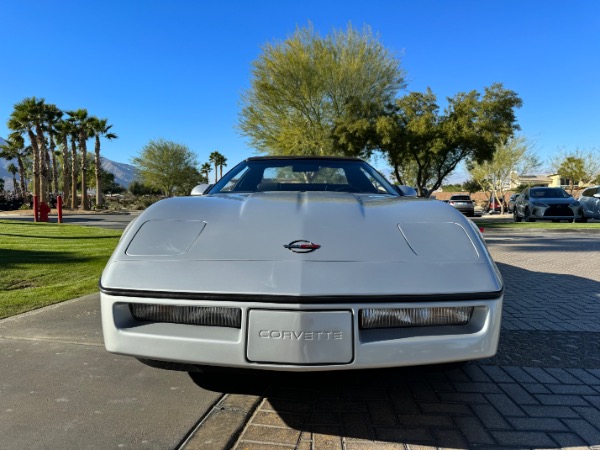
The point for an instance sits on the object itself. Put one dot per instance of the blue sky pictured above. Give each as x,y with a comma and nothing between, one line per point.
176,69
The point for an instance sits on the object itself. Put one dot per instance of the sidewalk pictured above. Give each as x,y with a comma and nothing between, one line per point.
60,389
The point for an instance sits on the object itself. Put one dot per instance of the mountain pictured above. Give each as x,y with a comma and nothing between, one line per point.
124,173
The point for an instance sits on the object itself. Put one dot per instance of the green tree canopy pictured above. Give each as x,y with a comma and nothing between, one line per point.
424,147
511,159
167,166
137,188
573,169
577,166
303,87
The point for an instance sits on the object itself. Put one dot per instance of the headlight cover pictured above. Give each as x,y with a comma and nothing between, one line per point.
165,237
414,317
187,315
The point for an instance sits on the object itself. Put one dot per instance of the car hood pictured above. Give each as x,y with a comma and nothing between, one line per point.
368,245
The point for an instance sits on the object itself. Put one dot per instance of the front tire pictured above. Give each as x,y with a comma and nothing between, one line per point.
527,216
516,216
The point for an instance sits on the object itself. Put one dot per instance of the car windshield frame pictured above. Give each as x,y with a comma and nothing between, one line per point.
304,174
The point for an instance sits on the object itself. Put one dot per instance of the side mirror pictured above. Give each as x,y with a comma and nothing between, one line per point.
407,191
201,189
597,195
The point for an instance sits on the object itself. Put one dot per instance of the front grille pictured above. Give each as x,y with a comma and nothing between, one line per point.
187,315
559,210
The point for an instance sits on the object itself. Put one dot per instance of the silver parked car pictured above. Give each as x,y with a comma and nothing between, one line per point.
590,203
301,264
546,203
511,202
463,203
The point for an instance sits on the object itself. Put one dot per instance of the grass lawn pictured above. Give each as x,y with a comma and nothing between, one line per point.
43,263
542,224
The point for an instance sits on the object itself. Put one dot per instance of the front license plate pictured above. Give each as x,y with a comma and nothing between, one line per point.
293,337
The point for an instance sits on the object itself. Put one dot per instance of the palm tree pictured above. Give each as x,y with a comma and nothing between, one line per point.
53,118
82,123
13,169
28,117
214,158
71,129
99,128
222,162
15,149
63,133
205,170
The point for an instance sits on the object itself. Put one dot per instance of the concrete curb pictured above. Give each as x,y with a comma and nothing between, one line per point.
220,428
43,309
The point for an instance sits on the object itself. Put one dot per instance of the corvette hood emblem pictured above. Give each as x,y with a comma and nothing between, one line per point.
301,246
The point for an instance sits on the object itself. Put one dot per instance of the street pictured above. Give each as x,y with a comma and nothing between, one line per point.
115,221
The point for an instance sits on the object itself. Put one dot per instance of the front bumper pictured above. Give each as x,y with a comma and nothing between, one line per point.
369,348
556,212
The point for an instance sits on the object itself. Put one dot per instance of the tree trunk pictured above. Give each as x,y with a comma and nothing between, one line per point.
54,166
73,173
43,162
99,199
22,175
36,163
49,171
398,176
66,169
85,204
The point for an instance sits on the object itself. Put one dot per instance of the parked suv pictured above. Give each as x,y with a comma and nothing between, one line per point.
463,203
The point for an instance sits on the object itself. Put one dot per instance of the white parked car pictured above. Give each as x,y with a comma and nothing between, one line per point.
590,203
301,264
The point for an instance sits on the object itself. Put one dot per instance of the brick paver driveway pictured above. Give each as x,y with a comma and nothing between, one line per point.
542,389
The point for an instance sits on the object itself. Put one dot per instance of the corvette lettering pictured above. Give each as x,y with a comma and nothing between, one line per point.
301,335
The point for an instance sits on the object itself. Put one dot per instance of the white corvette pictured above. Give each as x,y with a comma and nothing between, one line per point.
301,264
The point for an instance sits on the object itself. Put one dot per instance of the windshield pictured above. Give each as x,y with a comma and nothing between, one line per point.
549,193
304,174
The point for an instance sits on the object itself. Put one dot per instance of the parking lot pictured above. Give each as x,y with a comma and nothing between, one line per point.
60,389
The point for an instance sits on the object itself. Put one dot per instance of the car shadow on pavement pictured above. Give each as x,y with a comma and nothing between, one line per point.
542,389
